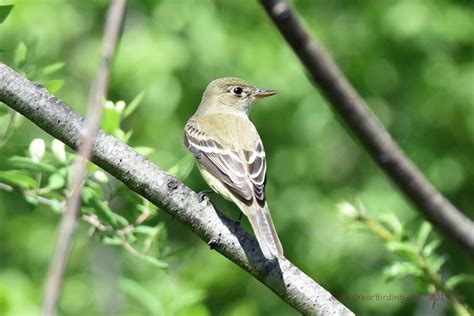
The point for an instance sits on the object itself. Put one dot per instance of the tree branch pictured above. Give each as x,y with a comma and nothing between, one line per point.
67,226
368,130
168,193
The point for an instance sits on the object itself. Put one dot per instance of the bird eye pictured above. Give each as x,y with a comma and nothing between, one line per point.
237,91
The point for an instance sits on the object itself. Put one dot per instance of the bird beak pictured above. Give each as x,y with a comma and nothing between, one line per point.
263,93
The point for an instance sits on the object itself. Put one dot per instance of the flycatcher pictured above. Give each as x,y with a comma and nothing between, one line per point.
230,153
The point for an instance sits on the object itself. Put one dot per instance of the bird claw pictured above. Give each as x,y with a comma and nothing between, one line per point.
204,194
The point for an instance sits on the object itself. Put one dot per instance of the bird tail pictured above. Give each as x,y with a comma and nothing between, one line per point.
265,232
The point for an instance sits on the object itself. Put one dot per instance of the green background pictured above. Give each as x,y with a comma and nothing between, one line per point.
411,60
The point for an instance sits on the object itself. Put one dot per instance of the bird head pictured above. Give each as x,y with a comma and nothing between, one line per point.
232,94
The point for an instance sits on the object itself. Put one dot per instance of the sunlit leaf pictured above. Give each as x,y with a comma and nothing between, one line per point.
392,222
121,221
19,57
91,199
53,86
436,262
110,119
5,11
431,247
145,151
154,261
56,205
112,240
133,105
404,249
26,163
458,279
51,69
143,229
127,136
423,233
17,178
130,238
400,269
184,167
56,181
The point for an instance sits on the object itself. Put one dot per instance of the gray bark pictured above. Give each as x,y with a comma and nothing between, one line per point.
167,192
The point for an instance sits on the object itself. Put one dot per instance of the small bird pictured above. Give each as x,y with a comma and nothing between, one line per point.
230,153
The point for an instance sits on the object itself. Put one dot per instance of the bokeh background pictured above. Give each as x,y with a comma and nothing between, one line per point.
411,60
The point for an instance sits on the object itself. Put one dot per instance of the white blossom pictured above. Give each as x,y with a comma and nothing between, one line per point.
120,106
37,148
59,150
100,176
348,210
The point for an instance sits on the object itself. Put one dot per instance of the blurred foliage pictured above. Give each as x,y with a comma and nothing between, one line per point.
412,60
416,256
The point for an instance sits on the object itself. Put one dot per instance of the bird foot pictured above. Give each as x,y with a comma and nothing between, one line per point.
204,194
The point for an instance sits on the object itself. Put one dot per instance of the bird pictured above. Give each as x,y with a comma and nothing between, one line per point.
230,153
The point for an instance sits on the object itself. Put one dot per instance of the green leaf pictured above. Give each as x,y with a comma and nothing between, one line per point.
112,240
436,262
110,119
130,238
431,247
184,167
53,86
19,57
147,207
458,279
145,151
127,136
118,133
423,233
392,223
148,301
154,261
31,199
17,178
5,11
91,199
404,249
51,69
56,181
4,110
56,205
145,230
400,269
133,105
121,221
26,163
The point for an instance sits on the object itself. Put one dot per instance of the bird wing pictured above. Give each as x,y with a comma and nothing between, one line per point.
243,172
257,171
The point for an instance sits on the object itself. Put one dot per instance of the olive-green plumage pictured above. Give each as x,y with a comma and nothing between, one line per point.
230,153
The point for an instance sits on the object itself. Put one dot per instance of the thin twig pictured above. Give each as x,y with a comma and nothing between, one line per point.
368,130
170,195
115,17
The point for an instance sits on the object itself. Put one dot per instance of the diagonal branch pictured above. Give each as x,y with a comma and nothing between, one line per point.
67,226
168,193
368,130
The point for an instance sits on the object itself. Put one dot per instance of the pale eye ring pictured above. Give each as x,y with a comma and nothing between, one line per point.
237,91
